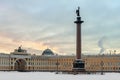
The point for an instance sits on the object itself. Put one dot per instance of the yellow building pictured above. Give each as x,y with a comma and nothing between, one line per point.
103,62
20,60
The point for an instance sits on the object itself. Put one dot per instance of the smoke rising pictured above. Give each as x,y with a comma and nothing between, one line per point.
101,44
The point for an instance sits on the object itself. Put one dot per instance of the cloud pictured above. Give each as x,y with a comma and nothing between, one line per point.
45,23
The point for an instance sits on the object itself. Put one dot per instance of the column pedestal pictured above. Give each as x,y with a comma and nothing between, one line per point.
79,65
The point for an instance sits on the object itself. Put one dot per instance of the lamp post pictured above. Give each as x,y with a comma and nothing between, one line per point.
9,63
57,64
101,63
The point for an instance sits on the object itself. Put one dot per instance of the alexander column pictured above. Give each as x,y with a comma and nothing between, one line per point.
78,64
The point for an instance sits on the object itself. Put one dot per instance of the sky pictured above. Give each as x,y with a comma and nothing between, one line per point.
41,24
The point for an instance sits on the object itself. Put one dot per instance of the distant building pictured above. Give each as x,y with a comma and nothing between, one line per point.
20,60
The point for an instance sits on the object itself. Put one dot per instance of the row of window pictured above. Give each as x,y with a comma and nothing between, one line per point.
49,68
52,59
47,63
4,62
104,59
105,64
4,68
104,68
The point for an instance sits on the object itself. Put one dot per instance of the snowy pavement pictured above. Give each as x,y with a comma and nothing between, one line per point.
53,76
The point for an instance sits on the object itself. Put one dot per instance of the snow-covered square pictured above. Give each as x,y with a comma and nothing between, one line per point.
54,76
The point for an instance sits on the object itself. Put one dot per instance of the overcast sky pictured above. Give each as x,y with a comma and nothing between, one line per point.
41,24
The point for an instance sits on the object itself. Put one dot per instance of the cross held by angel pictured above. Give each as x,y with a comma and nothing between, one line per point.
77,11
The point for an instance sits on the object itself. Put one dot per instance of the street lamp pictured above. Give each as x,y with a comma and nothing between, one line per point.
9,63
57,64
101,67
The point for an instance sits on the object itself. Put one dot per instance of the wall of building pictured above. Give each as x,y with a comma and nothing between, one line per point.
4,61
51,63
60,63
110,63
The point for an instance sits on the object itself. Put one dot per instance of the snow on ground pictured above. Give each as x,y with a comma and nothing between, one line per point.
53,76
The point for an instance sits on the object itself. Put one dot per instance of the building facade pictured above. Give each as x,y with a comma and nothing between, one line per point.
20,60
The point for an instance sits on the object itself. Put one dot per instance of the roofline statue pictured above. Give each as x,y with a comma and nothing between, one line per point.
20,49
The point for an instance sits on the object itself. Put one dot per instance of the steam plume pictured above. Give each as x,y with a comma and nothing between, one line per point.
101,44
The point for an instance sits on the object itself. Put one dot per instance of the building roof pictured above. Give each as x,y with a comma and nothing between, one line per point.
47,52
